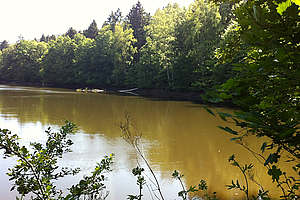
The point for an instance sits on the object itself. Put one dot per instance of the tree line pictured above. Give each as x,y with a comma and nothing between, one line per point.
180,52
173,49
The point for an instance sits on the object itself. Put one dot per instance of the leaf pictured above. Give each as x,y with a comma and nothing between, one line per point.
228,129
225,96
283,6
222,116
12,188
202,185
209,111
297,2
263,147
48,187
236,138
192,189
230,83
280,54
275,173
231,158
24,150
273,158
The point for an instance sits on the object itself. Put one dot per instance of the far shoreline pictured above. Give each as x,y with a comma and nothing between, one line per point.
172,95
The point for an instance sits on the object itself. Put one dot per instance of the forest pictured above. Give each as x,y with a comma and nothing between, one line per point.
173,49
252,47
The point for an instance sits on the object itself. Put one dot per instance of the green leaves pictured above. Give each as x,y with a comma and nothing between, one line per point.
37,170
140,182
283,6
173,50
235,186
267,90
275,173
245,170
272,158
92,185
228,129
209,111
281,54
177,175
201,186
263,147
22,61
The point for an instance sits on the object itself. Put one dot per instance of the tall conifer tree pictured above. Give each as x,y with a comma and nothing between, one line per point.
92,31
71,32
115,18
43,38
137,19
4,45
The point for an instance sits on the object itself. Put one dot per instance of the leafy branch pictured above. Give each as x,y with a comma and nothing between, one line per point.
37,170
131,136
201,186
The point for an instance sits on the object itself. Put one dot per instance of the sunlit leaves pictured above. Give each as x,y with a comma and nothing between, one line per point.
67,60
22,61
283,6
59,62
178,53
137,19
100,67
157,56
122,54
197,37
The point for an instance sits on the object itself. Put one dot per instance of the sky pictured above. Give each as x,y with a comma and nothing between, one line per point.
32,18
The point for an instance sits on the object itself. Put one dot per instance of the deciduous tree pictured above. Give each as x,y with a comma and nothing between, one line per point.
59,64
122,54
22,61
102,64
196,39
157,56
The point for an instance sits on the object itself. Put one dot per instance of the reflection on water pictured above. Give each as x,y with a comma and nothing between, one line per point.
176,135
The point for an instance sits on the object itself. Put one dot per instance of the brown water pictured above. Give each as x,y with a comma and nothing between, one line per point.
176,135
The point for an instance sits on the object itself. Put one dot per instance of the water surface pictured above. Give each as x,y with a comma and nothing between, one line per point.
177,135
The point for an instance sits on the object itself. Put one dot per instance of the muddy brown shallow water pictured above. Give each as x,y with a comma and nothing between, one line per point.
177,135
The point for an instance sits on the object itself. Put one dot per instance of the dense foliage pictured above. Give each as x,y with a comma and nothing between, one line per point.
177,51
22,61
268,90
173,49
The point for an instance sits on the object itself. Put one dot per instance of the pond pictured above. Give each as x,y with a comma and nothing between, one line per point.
177,135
